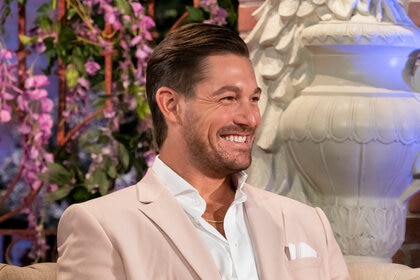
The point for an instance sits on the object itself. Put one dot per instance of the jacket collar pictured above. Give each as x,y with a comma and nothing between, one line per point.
267,235
156,202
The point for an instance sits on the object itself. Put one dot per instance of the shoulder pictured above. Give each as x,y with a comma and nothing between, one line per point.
105,206
273,198
290,209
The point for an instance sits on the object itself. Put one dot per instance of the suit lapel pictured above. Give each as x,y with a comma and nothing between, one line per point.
160,206
267,235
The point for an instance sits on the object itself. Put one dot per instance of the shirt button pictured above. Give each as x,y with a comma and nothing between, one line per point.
197,203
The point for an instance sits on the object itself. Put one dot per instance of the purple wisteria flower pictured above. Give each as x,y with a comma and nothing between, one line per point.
137,9
82,46
207,2
36,81
8,70
5,113
218,15
92,67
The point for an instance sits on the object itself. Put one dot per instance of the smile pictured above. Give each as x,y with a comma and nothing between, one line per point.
236,139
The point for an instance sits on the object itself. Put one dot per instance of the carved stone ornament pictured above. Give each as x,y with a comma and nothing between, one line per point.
341,115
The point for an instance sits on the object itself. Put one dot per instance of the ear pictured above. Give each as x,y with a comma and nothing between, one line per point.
168,101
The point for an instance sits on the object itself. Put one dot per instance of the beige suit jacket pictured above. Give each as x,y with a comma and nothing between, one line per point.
141,232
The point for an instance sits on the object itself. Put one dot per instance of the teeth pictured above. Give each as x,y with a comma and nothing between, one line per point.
238,139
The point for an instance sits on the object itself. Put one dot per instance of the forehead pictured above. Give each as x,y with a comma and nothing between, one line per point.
227,65
228,71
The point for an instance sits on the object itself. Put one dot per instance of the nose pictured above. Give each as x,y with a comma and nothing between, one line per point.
248,114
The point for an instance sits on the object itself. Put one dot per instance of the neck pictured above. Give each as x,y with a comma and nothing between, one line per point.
217,191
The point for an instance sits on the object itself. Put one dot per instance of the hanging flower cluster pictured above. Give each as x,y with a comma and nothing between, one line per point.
213,12
89,137
8,79
107,142
33,110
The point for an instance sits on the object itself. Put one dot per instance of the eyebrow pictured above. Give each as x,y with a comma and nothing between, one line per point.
234,89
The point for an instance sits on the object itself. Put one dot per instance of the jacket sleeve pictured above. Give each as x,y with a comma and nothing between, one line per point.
85,251
336,263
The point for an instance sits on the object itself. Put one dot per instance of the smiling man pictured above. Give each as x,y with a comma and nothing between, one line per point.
193,216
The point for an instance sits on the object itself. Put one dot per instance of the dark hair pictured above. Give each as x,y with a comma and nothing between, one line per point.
178,62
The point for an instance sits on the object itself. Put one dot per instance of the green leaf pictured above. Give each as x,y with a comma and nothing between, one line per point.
79,194
93,141
232,18
123,6
27,40
72,76
44,8
71,13
56,174
98,179
142,110
58,194
110,168
194,15
124,156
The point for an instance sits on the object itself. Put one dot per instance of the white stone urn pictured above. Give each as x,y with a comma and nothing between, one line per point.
353,133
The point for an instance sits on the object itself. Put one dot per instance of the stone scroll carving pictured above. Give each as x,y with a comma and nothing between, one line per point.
341,114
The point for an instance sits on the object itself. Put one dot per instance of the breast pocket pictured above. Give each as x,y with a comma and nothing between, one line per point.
305,268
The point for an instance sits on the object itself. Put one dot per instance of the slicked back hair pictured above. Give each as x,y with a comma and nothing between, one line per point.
178,62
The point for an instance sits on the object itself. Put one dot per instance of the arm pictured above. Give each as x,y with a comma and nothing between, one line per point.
84,248
336,264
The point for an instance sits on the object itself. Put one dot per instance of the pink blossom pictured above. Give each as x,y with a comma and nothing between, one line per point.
5,115
37,94
111,16
36,184
49,157
47,105
46,123
135,40
7,96
6,54
137,9
92,67
53,187
36,81
218,16
84,83
37,137
148,22
123,44
22,103
207,2
33,153
126,18
109,113
143,52
24,128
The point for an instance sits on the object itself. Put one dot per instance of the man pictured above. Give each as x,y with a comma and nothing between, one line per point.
193,216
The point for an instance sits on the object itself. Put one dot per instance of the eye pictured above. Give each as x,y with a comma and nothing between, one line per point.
228,98
255,98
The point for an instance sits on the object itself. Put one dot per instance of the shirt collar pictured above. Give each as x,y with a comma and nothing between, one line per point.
186,194
170,179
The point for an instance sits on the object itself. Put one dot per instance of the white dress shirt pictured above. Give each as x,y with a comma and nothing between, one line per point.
233,255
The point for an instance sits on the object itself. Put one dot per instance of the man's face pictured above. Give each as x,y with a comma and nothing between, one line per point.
221,119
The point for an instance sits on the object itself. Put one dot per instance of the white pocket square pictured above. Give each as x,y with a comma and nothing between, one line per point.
300,250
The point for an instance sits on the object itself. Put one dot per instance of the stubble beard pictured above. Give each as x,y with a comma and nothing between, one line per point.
211,158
